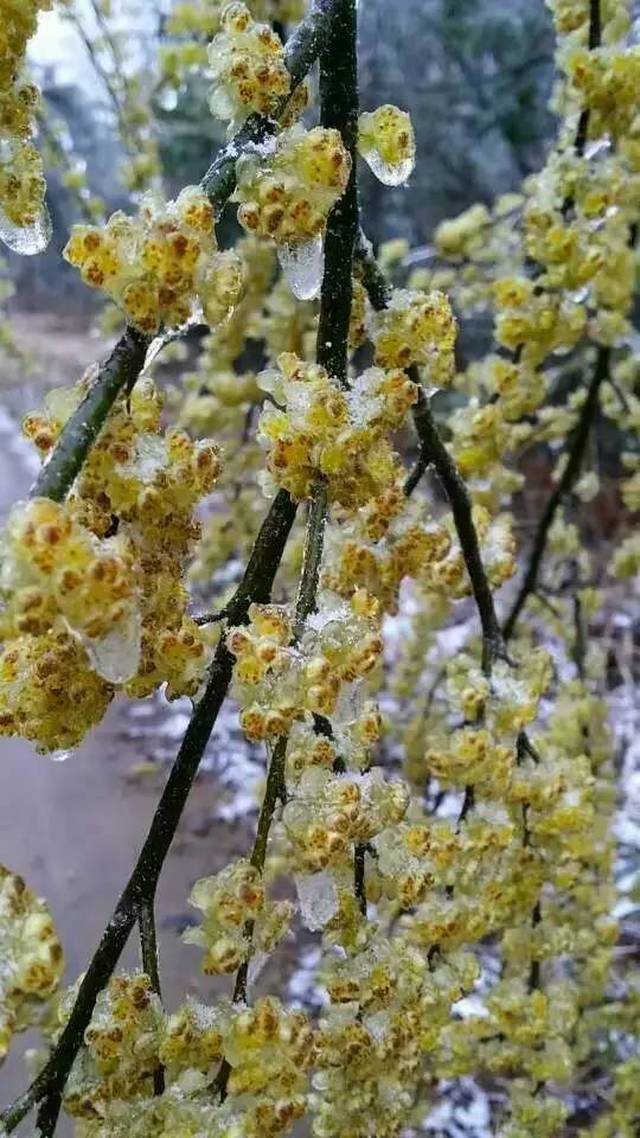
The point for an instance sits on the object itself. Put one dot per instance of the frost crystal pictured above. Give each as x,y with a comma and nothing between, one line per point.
318,899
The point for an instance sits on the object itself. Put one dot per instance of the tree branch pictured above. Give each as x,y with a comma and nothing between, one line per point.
339,95
300,53
255,586
126,361
434,452
79,433
339,98
563,487
150,965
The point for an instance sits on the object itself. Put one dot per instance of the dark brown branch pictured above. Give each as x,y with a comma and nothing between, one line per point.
119,373
150,965
435,453
359,878
339,111
301,52
256,586
563,487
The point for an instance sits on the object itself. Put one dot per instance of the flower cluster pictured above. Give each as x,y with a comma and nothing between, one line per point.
159,265
417,329
328,812
278,683
94,587
228,901
269,1050
317,428
32,961
287,194
246,61
23,222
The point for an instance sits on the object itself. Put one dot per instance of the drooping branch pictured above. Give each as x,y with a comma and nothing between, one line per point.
256,586
563,487
151,966
339,99
118,373
275,786
339,111
594,41
121,370
433,452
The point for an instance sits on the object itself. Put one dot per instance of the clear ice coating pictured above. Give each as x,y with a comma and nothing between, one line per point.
389,175
302,266
29,239
318,899
60,756
116,656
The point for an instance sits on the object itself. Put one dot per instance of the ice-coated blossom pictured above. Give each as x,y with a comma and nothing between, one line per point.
159,265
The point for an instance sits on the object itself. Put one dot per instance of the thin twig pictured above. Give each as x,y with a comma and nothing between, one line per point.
435,453
118,373
563,487
339,111
202,618
150,965
359,879
313,547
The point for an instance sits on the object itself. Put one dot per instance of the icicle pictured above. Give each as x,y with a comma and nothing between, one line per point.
389,175
28,239
60,756
302,266
116,656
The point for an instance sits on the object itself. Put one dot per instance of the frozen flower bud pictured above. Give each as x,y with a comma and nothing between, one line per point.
387,143
161,264
247,66
228,901
288,193
417,328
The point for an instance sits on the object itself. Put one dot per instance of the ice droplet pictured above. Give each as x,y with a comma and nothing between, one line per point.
389,175
597,146
302,266
116,656
318,899
28,239
60,756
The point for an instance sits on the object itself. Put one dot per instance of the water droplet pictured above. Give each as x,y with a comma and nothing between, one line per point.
29,239
318,899
302,266
386,173
168,98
